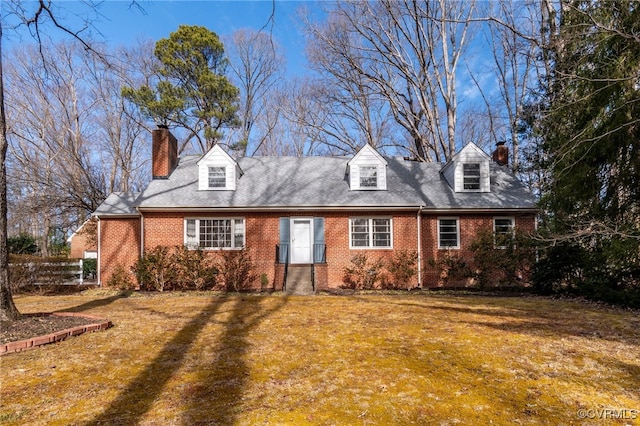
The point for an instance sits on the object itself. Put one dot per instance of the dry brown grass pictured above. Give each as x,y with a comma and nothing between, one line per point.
345,360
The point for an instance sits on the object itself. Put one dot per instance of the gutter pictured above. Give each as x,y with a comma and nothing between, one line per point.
213,209
406,207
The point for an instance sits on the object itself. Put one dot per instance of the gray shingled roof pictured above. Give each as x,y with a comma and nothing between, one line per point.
322,182
118,203
319,182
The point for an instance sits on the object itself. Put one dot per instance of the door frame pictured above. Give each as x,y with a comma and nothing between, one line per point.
308,220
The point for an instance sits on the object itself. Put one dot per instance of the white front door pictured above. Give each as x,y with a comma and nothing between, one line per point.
301,241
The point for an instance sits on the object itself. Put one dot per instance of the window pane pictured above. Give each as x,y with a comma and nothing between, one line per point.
360,232
368,176
206,233
217,177
215,233
471,176
381,232
503,226
448,232
191,240
238,233
191,228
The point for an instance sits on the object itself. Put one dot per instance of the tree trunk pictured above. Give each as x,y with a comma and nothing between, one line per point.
8,310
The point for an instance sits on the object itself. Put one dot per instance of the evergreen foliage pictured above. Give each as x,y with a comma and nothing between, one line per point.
22,244
586,120
192,90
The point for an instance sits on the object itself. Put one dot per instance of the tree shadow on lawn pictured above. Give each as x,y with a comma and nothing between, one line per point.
136,400
528,319
96,303
217,397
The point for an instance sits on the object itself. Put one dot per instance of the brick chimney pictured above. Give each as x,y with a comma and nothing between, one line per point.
501,154
164,156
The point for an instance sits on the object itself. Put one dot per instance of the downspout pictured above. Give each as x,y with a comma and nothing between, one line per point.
419,247
138,284
141,234
99,252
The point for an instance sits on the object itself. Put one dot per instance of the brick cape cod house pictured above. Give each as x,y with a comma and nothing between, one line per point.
312,211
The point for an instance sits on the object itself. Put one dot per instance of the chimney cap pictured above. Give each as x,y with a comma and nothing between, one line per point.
501,143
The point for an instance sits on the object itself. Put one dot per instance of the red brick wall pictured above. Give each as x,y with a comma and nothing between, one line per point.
405,237
119,246
81,243
469,227
262,236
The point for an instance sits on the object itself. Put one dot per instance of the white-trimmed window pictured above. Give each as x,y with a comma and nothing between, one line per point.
448,233
370,232
471,176
368,176
217,177
214,233
503,228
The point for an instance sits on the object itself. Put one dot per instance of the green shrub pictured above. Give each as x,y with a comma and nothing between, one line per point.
236,270
362,275
451,268
502,259
606,269
264,281
194,269
155,270
22,244
90,267
120,279
402,268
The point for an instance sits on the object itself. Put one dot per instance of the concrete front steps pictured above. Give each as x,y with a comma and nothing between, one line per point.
299,280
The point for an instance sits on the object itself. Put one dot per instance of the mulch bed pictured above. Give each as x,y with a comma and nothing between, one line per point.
34,326
34,330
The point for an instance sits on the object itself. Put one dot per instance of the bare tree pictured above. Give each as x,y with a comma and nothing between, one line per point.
406,53
8,310
511,30
354,111
297,123
33,15
257,64
120,137
71,141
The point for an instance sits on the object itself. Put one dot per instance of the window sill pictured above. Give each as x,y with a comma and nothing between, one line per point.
370,248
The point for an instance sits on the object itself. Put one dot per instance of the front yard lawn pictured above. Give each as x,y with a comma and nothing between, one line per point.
183,359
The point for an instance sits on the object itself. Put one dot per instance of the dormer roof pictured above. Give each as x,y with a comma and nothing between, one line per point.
217,170
367,170
468,170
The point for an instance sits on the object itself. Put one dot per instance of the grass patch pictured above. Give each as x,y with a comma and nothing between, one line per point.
324,360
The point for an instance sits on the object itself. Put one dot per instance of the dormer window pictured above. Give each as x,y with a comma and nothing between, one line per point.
468,170
368,176
217,177
217,171
471,176
367,170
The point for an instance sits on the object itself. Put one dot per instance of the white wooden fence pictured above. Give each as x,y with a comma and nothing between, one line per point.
59,273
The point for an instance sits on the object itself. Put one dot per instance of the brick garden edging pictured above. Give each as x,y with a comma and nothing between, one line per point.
58,336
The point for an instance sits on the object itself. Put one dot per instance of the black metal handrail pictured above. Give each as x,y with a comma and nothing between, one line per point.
322,249
282,253
313,277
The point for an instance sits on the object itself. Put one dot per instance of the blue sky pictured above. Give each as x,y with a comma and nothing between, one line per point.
119,23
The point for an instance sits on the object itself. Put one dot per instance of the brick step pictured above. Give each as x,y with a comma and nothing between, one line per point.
299,280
